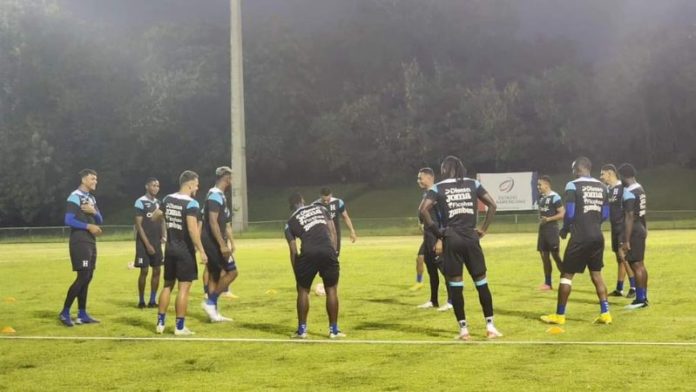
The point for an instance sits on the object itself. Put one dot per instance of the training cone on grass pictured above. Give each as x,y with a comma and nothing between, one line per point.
271,292
555,330
9,300
8,330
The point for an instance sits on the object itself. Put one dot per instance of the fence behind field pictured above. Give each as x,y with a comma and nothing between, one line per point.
503,223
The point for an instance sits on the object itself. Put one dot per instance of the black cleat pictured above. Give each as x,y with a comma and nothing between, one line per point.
631,293
141,305
152,305
616,293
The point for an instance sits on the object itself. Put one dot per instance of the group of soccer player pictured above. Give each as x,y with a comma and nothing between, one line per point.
451,241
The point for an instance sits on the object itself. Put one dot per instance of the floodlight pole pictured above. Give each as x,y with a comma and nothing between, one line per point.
240,219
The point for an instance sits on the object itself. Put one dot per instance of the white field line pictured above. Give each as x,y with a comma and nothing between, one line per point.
497,342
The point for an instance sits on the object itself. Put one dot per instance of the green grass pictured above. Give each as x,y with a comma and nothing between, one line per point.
375,305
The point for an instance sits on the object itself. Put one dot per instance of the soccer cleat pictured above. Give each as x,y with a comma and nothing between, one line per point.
631,293
492,332
445,307
545,287
319,290
298,335
416,287
554,319
152,305
141,305
221,319
426,305
159,329
463,334
604,318
336,335
66,320
636,305
183,332
230,295
616,293
86,319
210,310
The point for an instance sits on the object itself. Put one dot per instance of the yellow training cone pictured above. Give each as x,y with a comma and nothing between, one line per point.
8,330
555,330
9,300
271,292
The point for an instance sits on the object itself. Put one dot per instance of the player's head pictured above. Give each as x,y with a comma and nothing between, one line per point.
627,173
188,183
582,166
152,186
608,174
296,201
452,167
223,177
325,194
426,178
88,179
544,184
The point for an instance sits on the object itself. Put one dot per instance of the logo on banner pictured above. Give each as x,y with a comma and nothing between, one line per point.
507,185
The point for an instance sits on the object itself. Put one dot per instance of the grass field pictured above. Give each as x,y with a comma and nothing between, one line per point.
395,346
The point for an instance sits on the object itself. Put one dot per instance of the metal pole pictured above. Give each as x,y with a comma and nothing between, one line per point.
240,220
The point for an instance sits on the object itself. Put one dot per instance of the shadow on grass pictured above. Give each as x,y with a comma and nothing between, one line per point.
280,329
396,327
148,325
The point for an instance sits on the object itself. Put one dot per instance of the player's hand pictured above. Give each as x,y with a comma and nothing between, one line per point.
88,209
94,230
230,245
157,215
438,248
544,220
480,232
150,249
563,233
353,237
203,257
626,247
226,252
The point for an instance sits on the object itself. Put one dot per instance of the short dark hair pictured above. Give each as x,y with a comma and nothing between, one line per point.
150,179
427,171
583,162
609,167
325,191
186,176
85,172
222,171
452,167
546,179
626,170
295,199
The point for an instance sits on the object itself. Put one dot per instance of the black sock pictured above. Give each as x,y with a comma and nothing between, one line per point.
485,297
434,282
458,300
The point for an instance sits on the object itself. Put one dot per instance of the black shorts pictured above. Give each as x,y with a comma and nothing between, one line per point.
180,264
616,239
579,255
144,259
548,240
463,249
83,255
637,252
308,265
216,262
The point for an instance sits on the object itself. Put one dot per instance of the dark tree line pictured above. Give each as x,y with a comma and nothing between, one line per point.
364,90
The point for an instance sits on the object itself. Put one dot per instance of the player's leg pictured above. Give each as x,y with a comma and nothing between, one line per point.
181,308
164,298
215,260
206,279
631,277
601,288
228,273
548,270
476,266
329,272
434,279
420,261
305,270
81,279
154,286
453,253
641,274
142,278
82,316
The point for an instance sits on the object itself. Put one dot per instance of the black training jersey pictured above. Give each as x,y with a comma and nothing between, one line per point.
588,197
636,201
309,223
434,213
336,207
73,206
456,201
549,206
215,201
616,211
176,208
145,207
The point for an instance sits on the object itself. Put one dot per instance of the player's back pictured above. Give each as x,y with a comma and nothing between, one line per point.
309,223
215,201
616,211
456,201
639,204
176,207
589,196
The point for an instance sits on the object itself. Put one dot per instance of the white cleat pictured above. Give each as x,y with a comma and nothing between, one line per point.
463,334
337,335
492,332
222,319
445,307
299,335
426,305
159,329
183,332
210,310
319,290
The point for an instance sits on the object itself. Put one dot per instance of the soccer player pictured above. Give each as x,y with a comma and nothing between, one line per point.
426,179
83,217
551,211
636,232
610,178
456,199
586,205
314,227
150,234
183,239
217,243
337,209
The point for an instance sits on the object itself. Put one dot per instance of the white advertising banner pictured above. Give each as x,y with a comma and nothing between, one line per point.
511,191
